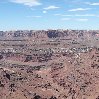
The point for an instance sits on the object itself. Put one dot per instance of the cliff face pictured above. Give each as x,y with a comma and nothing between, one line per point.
49,33
52,64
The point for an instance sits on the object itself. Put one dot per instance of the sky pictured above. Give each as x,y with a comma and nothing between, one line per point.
49,14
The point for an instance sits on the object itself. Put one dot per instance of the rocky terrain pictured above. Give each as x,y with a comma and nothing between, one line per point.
49,64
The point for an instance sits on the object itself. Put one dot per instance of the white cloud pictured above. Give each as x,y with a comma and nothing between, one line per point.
94,4
77,15
82,20
73,19
85,15
79,9
29,3
65,19
57,14
81,15
44,11
63,15
51,7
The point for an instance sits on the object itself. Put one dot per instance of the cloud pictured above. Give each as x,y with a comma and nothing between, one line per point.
80,15
44,11
74,19
94,4
57,14
79,9
82,20
76,15
63,15
85,15
29,3
51,7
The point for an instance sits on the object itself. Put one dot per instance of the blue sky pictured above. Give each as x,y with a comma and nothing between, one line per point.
49,14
